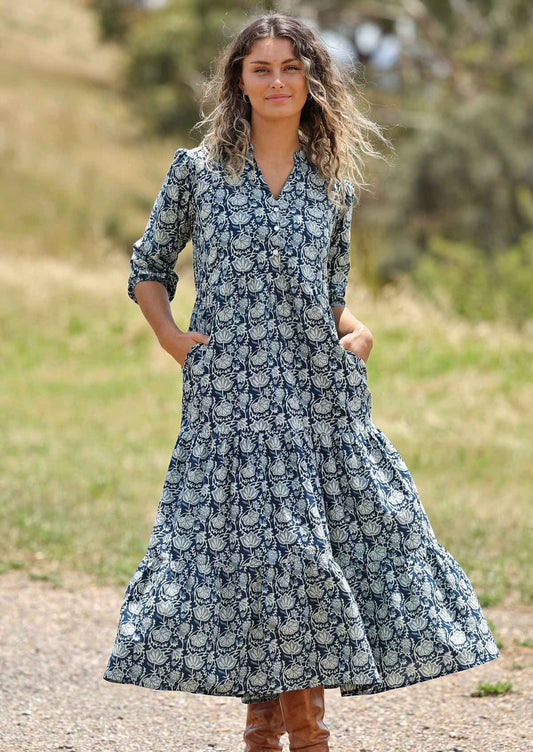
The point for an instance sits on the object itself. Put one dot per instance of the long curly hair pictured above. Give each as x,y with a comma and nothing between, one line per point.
332,130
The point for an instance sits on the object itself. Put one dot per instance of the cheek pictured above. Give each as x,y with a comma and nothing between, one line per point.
257,81
250,83
301,86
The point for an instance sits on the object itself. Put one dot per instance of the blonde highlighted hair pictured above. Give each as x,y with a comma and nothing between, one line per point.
333,131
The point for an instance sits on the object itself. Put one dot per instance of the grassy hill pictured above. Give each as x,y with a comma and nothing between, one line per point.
91,403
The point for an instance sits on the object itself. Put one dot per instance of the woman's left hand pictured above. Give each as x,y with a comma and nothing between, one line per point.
360,342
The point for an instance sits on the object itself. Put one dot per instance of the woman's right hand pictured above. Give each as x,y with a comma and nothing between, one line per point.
178,343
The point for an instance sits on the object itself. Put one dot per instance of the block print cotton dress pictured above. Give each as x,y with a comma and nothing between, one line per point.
290,547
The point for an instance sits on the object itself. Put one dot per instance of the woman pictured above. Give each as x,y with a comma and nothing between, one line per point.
290,550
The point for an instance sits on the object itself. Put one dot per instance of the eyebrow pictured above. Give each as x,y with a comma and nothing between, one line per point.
265,62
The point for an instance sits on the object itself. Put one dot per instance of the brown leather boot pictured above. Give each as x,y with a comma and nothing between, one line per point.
303,713
264,726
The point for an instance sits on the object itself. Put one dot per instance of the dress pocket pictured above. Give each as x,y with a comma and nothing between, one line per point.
359,362
191,354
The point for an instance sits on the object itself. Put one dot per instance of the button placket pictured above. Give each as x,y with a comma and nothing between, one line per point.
275,250
275,210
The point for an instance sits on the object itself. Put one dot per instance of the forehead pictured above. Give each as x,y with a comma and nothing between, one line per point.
274,50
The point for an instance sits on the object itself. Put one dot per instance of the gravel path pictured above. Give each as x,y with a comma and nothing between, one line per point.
56,640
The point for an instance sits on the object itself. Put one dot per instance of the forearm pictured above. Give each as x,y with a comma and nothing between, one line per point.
155,305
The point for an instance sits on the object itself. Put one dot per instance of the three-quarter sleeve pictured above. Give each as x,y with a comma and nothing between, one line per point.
168,230
340,251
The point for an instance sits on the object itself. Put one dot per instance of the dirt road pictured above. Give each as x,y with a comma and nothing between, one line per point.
55,644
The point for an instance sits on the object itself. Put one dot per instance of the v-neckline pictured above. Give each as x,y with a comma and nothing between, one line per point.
296,156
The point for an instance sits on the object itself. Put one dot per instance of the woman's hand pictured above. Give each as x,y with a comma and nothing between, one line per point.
154,302
360,341
178,343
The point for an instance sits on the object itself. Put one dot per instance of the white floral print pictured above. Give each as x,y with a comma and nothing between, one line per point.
290,546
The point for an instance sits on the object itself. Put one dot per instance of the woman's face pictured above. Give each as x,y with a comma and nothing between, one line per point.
271,70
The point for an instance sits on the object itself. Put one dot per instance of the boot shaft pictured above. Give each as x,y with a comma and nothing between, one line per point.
264,726
303,714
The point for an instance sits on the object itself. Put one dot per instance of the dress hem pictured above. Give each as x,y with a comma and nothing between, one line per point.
346,689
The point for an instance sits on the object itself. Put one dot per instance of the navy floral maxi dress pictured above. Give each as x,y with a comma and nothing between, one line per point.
290,547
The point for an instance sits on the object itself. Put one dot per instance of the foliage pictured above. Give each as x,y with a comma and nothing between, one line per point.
462,175
452,208
114,18
169,56
480,286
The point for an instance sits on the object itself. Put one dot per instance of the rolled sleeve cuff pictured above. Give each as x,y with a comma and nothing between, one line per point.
169,279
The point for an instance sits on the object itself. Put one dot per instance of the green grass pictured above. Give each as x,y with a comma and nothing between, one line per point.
91,412
486,688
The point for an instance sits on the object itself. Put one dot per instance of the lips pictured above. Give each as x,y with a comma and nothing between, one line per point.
281,96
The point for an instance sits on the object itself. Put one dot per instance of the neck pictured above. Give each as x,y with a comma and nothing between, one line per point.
276,147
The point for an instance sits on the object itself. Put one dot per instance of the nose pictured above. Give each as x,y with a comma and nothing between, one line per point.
277,79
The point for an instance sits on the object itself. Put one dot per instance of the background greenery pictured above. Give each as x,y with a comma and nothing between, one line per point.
91,403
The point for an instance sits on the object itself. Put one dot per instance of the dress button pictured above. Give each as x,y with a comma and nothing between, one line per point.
276,208
276,227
